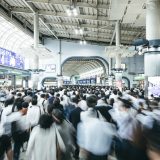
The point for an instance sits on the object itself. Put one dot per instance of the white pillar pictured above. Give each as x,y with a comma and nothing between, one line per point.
118,33
35,76
36,62
36,39
118,76
110,65
36,30
153,20
118,42
60,77
152,59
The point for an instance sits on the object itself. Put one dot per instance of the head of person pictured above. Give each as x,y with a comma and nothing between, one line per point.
74,99
18,103
34,101
115,92
25,107
111,101
9,101
119,94
19,95
91,101
29,93
57,116
42,95
124,104
45,121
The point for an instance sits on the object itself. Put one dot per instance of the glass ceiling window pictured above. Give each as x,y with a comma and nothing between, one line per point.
12,38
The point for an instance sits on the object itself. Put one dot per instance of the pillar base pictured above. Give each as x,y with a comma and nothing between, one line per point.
60,80
35,80
152,64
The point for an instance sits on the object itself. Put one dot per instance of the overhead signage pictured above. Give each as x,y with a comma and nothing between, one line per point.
50,68
11,59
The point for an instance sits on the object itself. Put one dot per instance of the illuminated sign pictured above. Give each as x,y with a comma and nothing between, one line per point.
50,68
11,59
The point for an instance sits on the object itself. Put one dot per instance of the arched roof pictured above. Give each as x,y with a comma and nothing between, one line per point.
12,38
79,65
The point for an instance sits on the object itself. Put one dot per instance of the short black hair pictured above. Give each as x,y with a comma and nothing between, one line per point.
9,101
42,95
34,101
58,114
25,105
45,121
91,101
126,103
19,94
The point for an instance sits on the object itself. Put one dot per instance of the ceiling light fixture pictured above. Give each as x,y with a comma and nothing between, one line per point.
76,31
83,42
69,13
79,31
72,10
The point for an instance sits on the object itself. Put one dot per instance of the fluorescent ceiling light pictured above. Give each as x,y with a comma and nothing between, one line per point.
81,31
81,42
75,12
68,12
84,42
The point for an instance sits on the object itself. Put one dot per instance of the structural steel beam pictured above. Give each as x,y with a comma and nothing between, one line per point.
58,14
34,10
67,3
107,27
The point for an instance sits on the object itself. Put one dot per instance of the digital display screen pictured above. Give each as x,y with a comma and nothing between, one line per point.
11,59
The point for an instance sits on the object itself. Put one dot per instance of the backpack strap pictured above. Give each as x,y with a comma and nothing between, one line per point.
97,114
40,110
43,105
1,114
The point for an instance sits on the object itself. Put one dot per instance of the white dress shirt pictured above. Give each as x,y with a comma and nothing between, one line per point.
33,115
95,136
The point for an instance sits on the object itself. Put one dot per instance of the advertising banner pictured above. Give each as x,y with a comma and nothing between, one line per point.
11,59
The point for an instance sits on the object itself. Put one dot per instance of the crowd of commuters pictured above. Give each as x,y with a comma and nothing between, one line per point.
79,122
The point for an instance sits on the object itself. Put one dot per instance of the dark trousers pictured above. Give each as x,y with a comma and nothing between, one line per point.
16,151
19,139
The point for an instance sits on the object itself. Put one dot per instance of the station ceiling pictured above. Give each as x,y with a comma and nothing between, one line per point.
95,17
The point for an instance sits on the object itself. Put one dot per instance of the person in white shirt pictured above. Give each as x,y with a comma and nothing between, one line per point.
34,113
42,103
129,144
20,127
94,134
43,141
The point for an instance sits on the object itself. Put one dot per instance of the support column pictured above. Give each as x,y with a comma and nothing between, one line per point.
59,76
152,59
36,30
35,76
118,42
25,82
118,76
13,81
